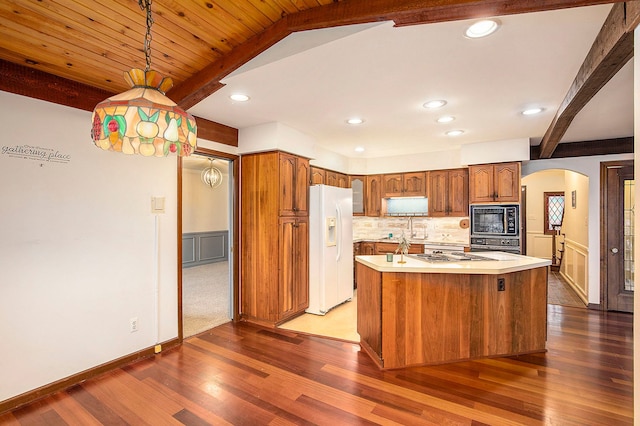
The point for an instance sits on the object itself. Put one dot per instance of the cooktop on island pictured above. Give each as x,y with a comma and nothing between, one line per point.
449,256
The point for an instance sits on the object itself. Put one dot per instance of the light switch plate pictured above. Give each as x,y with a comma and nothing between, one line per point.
157,204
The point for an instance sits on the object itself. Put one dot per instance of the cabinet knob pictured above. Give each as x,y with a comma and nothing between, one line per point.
614,250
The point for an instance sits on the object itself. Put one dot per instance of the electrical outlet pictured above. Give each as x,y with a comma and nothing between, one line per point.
133,324
501,284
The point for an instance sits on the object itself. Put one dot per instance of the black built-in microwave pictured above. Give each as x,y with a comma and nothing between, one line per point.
495,220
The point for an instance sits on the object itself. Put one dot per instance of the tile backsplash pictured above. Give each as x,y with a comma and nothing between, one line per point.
431,229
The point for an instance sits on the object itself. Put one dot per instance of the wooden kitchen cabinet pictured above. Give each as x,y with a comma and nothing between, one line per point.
392,185
320,176
274,237
414,184
330,178
391,247
342,180
293,291
494,183
367,248
449,193
357,184
373,196
294,188
405,184
317,176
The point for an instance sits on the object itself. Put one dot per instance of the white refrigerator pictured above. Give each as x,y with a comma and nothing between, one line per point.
330,247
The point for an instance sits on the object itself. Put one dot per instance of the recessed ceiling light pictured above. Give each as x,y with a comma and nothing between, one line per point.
446,119
240,97
454,132
482,28
434,104
359,149
355,120
532,111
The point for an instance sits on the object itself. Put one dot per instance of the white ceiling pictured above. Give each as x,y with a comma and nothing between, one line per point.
314,81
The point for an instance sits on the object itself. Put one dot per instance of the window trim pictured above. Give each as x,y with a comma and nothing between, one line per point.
547,195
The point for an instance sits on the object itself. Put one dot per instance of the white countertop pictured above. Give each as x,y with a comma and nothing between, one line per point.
503,263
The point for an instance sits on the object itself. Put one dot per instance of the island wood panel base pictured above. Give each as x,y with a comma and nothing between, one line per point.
437,318
369,311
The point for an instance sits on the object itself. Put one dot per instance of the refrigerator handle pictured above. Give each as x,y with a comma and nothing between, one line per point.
339,233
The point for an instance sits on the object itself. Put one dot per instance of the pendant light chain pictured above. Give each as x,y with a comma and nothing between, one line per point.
146,5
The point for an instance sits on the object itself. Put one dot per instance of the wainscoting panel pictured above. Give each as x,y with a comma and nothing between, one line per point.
188,249
575,267
539,245
200,248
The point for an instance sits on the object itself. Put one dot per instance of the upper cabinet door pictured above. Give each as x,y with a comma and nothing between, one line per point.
373,195
357,186
507,182
287,188
392,185
481,184
294,185
317,176
494,183
343,180
301,196
414,184
330,178
438,193
458,192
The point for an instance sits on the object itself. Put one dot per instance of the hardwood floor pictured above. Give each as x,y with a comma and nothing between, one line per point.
246,375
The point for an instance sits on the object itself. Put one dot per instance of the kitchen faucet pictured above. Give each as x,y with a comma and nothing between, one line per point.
410,226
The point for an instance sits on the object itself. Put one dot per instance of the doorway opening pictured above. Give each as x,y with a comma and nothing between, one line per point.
207,260
558,231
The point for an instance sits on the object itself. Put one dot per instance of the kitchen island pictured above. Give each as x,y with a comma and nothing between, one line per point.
430,312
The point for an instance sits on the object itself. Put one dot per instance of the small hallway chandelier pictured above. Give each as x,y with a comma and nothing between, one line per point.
211,176
143,120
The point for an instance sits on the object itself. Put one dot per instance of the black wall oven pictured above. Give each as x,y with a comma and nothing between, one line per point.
495,227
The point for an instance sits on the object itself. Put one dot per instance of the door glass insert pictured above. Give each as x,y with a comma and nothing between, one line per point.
629,207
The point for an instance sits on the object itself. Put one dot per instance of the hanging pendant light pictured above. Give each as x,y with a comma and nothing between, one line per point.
143,120
211,176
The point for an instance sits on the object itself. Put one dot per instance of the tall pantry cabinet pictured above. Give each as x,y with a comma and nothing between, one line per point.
274,237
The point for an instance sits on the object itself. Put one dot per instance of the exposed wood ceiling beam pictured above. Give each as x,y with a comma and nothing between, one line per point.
36,84
212,131
611,50
348,12
586,148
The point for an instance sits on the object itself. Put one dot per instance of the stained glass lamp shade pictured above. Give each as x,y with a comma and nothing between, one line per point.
143,120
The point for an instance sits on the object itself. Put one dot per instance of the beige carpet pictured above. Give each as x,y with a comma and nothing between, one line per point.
205,297
340,322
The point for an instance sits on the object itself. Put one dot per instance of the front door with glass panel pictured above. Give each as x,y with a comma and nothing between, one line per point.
619,240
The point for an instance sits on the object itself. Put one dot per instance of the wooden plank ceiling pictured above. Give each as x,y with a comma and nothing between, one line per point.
76,51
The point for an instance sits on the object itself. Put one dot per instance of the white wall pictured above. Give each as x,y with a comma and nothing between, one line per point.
204,208
77,248
576,219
